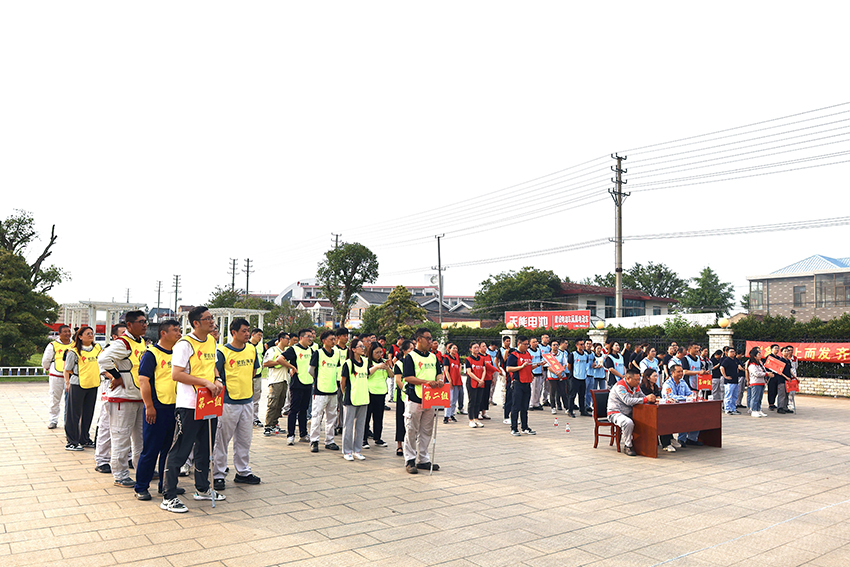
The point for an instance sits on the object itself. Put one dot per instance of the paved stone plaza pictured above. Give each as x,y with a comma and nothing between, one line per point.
777,493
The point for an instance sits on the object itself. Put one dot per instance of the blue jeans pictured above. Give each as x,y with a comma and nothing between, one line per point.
731,396
156,442
689,436
454,391
588,397
757,392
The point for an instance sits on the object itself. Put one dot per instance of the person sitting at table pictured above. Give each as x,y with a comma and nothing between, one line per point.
625,394
676,389
649,385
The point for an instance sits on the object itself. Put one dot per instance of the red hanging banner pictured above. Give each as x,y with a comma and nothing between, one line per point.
813,352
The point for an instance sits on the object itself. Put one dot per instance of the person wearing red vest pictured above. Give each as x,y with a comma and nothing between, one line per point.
520,367
451,366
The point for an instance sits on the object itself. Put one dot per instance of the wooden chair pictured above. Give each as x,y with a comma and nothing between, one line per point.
600,404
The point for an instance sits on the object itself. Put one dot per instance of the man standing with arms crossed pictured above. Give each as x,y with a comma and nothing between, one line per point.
192,367
421,368
53,363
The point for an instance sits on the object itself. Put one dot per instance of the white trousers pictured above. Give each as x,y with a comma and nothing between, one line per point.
625,423
56,389
536,391
125,431
327,406
236,423
418,428
103,447
255,400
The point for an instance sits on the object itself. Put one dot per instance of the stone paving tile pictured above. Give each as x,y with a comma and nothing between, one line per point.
540,501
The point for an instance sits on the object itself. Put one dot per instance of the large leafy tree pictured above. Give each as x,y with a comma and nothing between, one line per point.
343,272
285,317
223,296
709,294
398,315
655,279
512,290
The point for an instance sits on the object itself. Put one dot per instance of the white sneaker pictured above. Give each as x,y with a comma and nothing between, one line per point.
762,414
359,457
554,411
675,444
479,424
290,440
670,449
208,495
173,505
347,456
472,424
506,421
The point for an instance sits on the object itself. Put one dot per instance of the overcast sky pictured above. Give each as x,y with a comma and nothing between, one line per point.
165,138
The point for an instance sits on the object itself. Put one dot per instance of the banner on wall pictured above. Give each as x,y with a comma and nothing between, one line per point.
548,319
813,352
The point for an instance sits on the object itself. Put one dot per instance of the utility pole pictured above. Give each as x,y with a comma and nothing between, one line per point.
439,269
232,272
128,295
618,196
158,295
176,291
248,271
336,239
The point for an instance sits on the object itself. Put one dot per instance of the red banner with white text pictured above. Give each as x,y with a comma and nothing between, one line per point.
548,319
814,352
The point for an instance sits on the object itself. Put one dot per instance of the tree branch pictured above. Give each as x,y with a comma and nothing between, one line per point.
36,266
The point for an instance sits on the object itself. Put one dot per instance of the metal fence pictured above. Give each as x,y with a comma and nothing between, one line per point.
22,371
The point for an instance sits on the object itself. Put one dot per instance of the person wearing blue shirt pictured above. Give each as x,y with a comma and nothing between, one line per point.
537,385
579,365
545,348
676,389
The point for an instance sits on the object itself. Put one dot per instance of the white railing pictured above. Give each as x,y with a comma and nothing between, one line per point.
28,371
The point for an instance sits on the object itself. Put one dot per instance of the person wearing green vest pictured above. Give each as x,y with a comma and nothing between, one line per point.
300,385
324,367
257,341
379,371
421,368
341,347
354,382
398,373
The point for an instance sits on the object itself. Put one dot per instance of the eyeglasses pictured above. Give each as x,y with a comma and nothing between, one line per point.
207,318
138,322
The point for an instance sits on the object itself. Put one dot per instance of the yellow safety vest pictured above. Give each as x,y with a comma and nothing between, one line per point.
137,349
327,374
343,356
424,368
202,361
378,380
239,371
358,383
59,354
164,384
87,368
399,369
302,363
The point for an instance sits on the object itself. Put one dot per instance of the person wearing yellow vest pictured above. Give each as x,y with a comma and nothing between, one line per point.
298,358
278,382
103,442
82,377
236,363
379,371
342,347
324,367
400,397
421,368
159,394
257,341
354,381
120,360
53,364
192,367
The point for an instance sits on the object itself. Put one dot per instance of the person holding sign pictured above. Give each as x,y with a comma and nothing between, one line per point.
324,366
192,367
354,381
758,377
82,378
451,370
520,366
236,363
421,369
557,378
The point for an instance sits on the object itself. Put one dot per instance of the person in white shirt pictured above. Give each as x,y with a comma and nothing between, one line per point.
53,363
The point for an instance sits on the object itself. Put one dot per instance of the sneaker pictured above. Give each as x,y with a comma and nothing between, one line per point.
125,483
670,449
290,440
763,414
258,423
104,468
365,445
675,443
570,413
756,414
348,456
249,478
695,443
515,433
427,466
332,447
184,470
380,442
554,411
629,451
218,484
445,420
506,421
454,420
359,457
143,495
268,431
173,505
410,467
736,412
780,410
51,426
485,416
304,439
479,424
277,430
772,408
73,447
472,424
728,412
314,447
529,432
89,445
207,495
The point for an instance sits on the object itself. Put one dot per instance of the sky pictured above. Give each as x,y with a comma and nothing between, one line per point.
168,138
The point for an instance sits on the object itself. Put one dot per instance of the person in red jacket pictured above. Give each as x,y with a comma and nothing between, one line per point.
451,367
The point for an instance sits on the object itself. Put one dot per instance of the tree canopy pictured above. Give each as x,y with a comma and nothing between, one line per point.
657,280
399,314
343,272
509,290
709,294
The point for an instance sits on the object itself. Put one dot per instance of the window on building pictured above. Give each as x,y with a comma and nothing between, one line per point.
631,307
799,296
756,296
591,306
656,310
825,290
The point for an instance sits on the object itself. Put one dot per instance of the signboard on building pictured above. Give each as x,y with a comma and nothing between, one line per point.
548,319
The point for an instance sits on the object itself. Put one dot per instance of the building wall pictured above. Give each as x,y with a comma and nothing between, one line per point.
779,300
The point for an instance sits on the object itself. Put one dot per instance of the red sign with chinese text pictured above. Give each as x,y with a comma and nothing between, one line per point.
774,365
548,319
792,386
436,397
207,407
555,367
703,382
820,352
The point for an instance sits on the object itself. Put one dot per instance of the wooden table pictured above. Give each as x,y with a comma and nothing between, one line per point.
652,420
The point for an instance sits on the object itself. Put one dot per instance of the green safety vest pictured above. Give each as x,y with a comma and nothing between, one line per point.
378,381
302,363
425,368
358,383
327,373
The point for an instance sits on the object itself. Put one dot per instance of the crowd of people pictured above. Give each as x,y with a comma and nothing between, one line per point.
346,382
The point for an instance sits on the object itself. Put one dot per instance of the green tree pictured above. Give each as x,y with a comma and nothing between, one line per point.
343,272
709,295
510,290
24,311
17,232
369,320
399,314
657,280
223,296
285,317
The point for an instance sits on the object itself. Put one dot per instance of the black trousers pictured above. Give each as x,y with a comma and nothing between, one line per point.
519,406
578,388
192,435
509,398
772,391
79,410
475,401
375,412
399,416
299,401
557,393
485,397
